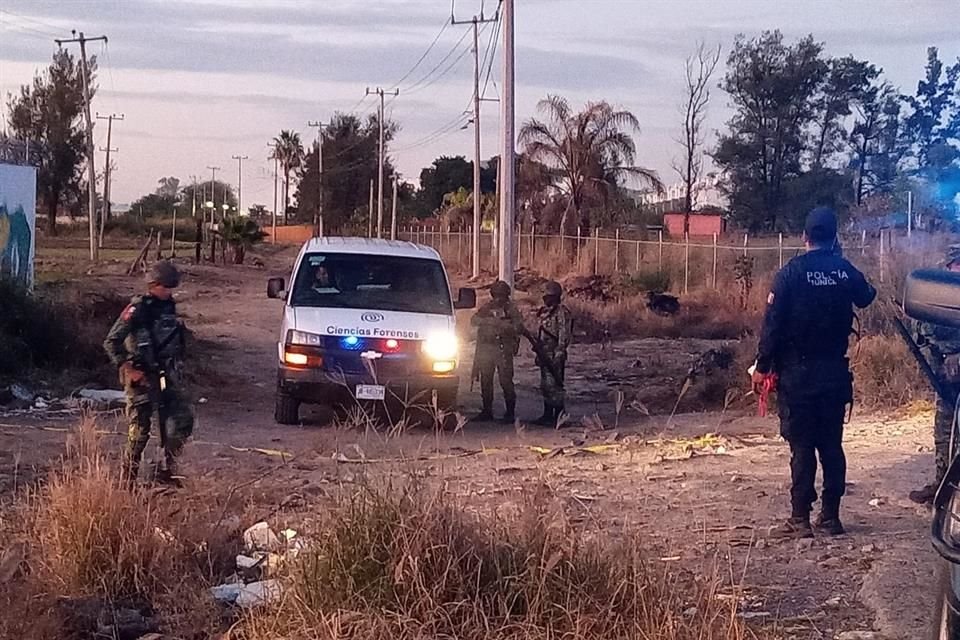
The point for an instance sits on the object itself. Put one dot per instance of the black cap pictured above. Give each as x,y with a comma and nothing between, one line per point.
821,225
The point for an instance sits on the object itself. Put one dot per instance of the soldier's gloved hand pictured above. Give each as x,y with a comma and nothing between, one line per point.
130,372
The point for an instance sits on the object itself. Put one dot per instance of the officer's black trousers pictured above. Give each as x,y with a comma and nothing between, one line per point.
815,428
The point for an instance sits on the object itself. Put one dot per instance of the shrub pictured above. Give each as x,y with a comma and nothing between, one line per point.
646,281
406,563
885,373
54,329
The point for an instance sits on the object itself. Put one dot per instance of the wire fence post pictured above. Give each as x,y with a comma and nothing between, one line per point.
660,250
459,246
863,242
616,256
533,244
881,256
714,261
579,241
745,236
686,263
637,269
519,237
596,251
780,248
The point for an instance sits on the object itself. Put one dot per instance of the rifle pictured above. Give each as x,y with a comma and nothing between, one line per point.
542,358
937,384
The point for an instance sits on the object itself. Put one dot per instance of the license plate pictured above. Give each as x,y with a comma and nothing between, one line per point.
371,392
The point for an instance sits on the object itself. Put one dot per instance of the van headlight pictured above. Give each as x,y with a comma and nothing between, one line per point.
304,338
441,346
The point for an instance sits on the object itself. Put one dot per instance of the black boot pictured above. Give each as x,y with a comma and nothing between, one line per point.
828,521
549,417
794,528
924,495
510,415
485,415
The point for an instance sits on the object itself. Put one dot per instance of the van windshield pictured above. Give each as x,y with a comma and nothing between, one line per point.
364,281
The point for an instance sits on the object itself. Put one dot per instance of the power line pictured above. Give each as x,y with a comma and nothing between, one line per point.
442,74
34,21
439,64
446,23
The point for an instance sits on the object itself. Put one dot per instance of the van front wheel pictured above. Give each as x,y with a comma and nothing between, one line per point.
287,409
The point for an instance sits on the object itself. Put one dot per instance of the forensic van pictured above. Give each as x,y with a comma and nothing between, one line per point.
366,320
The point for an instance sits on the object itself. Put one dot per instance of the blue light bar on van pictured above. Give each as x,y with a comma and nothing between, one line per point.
351,343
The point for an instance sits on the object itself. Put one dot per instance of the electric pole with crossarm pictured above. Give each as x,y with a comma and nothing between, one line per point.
380,92
91,169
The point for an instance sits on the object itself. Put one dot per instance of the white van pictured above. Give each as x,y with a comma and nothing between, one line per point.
366,319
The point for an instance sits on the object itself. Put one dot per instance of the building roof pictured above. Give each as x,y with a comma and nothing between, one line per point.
339,244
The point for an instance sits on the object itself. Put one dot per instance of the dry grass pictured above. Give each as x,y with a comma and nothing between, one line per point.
401,563
706,314
886,375
92,547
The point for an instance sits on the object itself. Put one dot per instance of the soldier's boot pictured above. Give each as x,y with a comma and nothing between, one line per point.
166,472
793,529
549,417
924,495
485,415
510,415
129,473
828,520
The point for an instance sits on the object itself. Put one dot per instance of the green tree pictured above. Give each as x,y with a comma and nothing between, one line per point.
445,175
877,141
849,83
288,149
350,151
775,92
934,119
591,153
48,114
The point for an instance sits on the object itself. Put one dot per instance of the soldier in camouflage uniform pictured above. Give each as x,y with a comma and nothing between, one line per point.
146,345
943,344
554,335
499,326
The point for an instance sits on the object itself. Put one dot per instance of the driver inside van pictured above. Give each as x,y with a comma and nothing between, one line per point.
323,282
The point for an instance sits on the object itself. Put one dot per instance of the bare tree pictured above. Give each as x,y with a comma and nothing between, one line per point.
699,68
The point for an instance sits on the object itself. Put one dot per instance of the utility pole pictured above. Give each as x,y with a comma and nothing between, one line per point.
393,215
380,92
213,193
370,217
91,170
476,137
318,221
276,176
105,214
105,209
239,160
508,165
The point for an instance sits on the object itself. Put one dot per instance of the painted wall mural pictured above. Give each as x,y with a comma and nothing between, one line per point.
18,222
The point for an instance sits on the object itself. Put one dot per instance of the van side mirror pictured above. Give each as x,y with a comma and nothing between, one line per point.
466,299
275,288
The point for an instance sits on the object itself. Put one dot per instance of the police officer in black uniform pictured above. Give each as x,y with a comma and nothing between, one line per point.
804,341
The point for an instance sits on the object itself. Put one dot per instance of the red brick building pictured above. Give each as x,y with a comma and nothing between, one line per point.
701,224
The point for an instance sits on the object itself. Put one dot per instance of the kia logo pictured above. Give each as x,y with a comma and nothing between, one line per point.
372,317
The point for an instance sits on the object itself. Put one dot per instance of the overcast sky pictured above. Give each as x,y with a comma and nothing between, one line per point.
202,80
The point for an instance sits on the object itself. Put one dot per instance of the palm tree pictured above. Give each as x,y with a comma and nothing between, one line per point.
288,149
591,153
241,233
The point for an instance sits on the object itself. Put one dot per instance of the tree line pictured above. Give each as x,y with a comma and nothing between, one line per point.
806,129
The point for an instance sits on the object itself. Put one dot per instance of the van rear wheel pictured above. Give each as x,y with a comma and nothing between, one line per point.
286,409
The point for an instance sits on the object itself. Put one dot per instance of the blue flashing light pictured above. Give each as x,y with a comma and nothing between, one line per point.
351,342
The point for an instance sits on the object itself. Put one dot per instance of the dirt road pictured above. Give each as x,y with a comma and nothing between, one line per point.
701,501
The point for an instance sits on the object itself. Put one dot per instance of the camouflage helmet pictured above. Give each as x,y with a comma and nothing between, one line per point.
552,289
952,255
500,290
164,273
